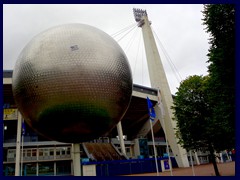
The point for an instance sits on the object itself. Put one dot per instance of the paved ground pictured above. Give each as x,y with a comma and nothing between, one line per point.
225,169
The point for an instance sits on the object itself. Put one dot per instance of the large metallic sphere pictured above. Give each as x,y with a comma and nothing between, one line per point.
72,83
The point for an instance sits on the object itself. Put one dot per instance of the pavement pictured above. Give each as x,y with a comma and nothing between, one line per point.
225,169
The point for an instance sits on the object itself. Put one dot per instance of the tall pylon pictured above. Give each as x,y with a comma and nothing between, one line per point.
158,80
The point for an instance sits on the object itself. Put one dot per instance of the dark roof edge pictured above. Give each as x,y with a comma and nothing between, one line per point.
136,87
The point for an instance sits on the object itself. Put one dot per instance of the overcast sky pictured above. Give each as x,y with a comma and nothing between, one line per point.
177,27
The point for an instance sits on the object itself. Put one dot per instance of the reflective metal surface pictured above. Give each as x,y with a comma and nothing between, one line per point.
72,83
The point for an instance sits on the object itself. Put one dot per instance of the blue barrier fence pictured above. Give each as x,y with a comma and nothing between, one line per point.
131,166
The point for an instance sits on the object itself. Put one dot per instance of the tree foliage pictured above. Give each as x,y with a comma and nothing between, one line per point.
220,22
204,107
194,116
192,112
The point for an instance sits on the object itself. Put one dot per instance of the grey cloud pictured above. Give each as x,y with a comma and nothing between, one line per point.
179,28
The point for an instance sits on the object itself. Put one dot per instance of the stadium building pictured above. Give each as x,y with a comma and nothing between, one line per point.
41,156
110,155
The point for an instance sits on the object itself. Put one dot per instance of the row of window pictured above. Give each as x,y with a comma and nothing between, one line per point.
40,169
40,153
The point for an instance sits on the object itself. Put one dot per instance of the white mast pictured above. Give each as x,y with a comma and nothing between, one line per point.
158,79
160,105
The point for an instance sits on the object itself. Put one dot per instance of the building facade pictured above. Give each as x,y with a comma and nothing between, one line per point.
43,157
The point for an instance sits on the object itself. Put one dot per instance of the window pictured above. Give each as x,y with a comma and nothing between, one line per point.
68,151
45,152
30,169
40,152
29,152
11,155
46,169
9,170
34,152
58,152
51,152
63,151
63,167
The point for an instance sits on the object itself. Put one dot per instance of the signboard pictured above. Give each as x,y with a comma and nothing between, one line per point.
10,114
166,165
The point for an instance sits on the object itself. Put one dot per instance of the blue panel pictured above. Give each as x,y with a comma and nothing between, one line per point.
131,166
174,162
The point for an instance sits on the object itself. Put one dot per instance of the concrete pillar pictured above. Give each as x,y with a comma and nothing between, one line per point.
136,148
55,168
18,144
76,159
196,157
120,135
37,169
190,153
158,80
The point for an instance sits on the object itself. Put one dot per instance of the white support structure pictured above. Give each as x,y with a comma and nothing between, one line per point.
146,128
192,162
158,80
196,158
120,135
22,150
18,145
76,159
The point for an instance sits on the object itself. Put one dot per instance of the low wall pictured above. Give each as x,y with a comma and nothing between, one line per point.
131,166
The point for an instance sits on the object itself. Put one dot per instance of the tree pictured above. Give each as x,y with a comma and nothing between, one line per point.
205,106
193,115
191,112
220,23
